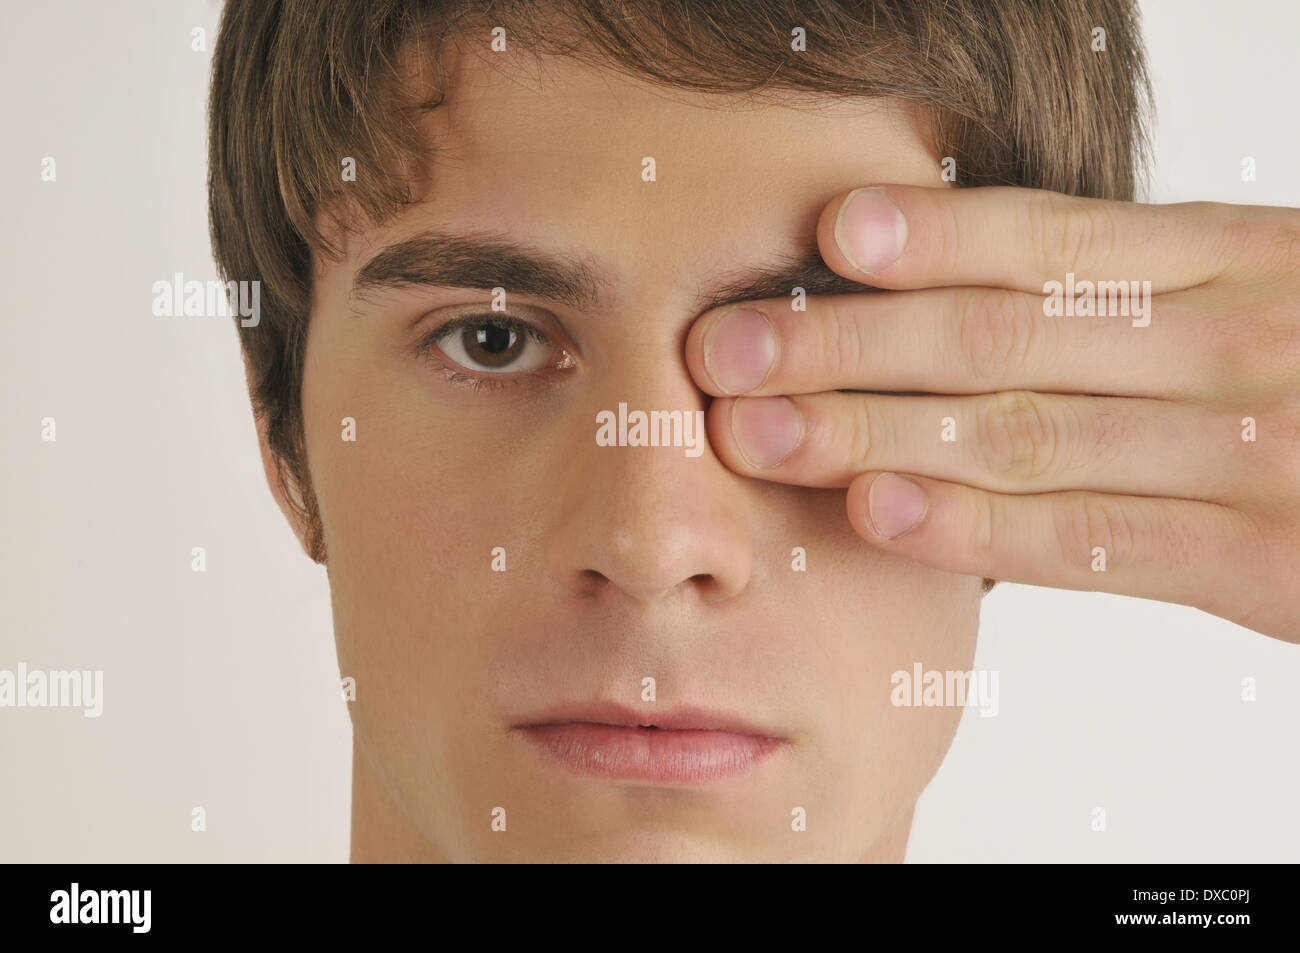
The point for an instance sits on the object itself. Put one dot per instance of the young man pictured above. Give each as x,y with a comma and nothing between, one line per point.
517,266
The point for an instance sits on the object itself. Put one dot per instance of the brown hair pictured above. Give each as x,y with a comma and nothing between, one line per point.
1013,89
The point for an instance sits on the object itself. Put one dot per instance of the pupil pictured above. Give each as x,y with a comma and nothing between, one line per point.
494,338
492,345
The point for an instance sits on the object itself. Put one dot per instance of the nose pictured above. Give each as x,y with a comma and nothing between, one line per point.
649,523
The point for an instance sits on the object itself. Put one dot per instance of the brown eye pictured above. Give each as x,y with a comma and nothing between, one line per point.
499,345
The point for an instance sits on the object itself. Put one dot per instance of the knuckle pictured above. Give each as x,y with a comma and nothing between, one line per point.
1281,251
1089,521
1288,453
1251,539
1259,244
1230,343
950,241
1271,347
1282,340
1255,346
998,331
842,344
1245,351
1065,231
861,432
1108,434
987,527
1021,434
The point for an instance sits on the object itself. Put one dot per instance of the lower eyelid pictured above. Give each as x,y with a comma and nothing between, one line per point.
471,381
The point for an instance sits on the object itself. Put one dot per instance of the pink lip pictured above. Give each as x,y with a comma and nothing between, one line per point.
690,745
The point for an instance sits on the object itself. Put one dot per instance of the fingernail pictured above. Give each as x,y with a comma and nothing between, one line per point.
895,505
870,230
766,429
739,351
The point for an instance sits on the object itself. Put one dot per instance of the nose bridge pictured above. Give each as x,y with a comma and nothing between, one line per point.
648,425
649,509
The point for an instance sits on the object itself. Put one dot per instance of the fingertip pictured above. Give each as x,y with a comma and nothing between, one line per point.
863,233
717,420
695,363
885,507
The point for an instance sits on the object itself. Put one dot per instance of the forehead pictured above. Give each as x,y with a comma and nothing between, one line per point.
645,180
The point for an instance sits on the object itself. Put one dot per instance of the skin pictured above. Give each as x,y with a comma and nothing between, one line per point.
622,562
1072,433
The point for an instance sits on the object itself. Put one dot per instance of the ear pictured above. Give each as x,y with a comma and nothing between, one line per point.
290,505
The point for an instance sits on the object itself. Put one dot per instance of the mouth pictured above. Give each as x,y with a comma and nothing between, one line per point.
681,746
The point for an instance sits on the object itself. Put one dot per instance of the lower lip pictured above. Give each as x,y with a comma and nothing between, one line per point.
641,754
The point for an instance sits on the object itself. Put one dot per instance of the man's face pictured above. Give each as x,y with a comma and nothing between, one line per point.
493,566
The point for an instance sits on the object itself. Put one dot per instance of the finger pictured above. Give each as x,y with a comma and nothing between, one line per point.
1179,551
906,236
1008,442
946,340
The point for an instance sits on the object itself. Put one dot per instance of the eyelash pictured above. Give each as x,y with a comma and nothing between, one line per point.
493,382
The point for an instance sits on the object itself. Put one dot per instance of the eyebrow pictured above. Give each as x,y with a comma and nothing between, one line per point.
445,259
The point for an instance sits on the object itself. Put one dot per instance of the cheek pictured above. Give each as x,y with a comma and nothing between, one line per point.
409,513
884,615
411,523
935,627
421,492
874,613
411,510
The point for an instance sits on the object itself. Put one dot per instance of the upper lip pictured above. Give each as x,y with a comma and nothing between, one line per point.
674,718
